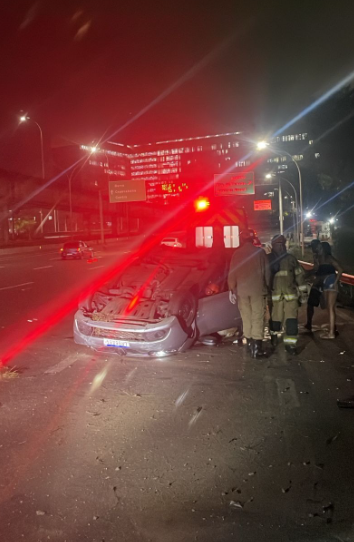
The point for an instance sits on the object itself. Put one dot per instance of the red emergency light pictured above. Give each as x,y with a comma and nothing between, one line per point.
201,204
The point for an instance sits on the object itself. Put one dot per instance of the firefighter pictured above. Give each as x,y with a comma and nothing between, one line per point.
288,288
248,283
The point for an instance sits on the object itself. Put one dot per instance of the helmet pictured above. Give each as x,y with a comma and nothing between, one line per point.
279,239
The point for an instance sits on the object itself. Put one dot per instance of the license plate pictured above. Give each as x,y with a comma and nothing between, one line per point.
114,342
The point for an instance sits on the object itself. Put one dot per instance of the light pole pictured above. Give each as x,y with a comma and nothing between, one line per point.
281,215
25,118
261,145
272,175
100,203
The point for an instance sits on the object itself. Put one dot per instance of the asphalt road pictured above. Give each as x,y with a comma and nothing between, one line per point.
208,445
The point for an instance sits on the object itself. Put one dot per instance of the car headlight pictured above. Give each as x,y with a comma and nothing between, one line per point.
156,335
84,328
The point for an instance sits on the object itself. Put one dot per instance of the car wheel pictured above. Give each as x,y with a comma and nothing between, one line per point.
183,304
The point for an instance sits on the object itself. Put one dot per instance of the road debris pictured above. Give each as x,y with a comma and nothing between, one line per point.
346,403
7,373
236,504
332,439
286,489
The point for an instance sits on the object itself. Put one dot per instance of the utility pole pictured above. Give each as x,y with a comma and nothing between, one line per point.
101,215
281,215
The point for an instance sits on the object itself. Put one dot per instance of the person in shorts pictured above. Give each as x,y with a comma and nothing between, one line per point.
331,271
316,291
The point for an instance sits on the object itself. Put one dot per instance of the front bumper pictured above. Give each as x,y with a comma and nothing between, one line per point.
132,338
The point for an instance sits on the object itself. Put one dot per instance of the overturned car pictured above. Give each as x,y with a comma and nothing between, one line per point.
161,304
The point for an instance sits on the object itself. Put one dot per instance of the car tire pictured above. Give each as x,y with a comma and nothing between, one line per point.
183,304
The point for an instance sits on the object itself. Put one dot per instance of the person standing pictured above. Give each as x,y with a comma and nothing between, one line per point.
317,286
331,271
248,281
288,287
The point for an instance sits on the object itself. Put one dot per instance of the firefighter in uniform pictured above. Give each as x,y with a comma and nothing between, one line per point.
248,282
288,288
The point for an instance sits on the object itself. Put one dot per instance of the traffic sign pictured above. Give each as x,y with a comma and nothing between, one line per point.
262,205
127,191
234,184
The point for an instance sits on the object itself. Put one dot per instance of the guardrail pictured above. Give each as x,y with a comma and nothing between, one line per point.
345,278
346,289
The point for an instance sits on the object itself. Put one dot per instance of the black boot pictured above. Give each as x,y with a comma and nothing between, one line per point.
274,339
257,351
291,349
249,345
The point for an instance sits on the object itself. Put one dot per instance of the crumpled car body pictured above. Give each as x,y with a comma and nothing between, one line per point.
158,305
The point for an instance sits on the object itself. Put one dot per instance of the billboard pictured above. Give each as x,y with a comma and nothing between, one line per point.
234,184
262,205
123,191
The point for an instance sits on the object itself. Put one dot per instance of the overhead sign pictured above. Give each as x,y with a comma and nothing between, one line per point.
123,191
234,184
262,205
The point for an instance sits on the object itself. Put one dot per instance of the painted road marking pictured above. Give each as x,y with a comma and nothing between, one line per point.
97,267
64,363
288,398
16,286
43,267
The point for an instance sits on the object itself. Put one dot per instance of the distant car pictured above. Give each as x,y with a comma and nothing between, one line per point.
171,242
76,250
161,304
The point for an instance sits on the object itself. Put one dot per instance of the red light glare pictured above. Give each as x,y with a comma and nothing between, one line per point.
201,204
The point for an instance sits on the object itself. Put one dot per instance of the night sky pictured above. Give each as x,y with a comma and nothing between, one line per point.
84,69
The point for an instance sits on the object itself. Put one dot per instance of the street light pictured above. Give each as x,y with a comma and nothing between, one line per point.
261,145
25,118
93,149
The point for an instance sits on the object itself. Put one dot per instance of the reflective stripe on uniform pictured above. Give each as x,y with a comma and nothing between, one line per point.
290,297
290,340
276,297
281,274
298,271
303,288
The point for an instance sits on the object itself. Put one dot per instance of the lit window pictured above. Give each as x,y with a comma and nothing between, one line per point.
235,144
199,149
298,157
213,147
284,159
317,155
310,141
304,136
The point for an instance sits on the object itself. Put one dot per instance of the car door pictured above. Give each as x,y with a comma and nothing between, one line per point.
215,313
